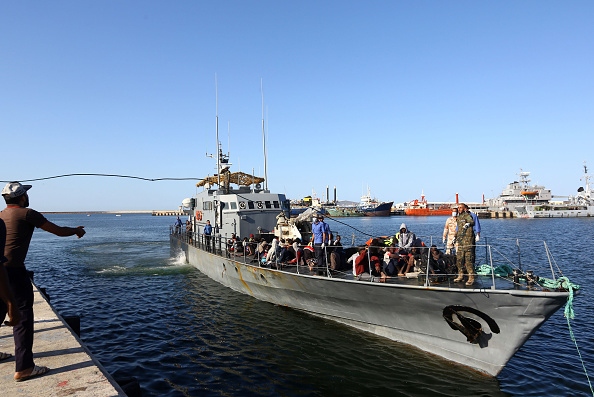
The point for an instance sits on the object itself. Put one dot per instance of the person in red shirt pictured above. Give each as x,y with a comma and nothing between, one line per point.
362,262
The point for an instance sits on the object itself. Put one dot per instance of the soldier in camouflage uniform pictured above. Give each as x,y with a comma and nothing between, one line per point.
465,241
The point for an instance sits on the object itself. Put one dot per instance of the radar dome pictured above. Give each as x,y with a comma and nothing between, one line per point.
187,203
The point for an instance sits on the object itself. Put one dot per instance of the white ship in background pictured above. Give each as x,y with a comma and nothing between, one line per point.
580,205
518,194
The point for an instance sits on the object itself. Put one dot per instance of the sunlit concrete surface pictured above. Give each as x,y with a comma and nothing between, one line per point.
73,370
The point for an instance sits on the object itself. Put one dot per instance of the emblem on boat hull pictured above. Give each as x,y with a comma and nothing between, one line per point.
471,328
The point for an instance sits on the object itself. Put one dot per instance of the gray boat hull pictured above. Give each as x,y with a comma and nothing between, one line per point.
410,314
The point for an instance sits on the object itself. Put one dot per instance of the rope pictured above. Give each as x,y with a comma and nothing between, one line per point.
345,224
501,270
561,282
110,175
569,314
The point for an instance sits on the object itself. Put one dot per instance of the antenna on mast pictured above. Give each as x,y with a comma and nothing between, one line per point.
217,127
264,137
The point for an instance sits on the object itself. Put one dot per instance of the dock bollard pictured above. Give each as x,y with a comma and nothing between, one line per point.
44,293
129,385
31,275
73,322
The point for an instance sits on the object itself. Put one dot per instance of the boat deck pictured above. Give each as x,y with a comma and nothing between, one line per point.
489,277
414,279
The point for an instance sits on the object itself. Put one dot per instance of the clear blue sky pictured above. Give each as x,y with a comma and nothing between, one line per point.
403,96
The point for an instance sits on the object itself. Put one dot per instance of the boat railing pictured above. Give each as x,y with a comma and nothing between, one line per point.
506,261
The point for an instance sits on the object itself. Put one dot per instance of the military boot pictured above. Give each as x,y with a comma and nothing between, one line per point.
470,280
460,277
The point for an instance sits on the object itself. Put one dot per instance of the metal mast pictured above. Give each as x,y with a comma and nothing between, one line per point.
264,138
217,128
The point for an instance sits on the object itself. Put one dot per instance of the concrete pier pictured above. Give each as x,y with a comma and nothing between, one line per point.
168,213
73,369
495,214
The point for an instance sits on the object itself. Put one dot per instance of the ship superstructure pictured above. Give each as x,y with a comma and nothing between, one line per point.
518,194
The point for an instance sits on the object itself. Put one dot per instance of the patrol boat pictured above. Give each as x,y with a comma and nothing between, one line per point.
481,326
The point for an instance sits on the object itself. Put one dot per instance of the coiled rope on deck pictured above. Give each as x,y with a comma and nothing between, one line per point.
501,270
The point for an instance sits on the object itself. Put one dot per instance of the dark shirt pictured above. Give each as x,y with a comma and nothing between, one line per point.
20,224
207,229
437,265
2,241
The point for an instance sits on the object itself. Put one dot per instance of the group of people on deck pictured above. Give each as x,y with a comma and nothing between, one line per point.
259,250
402,254
237,246
323,249
406,254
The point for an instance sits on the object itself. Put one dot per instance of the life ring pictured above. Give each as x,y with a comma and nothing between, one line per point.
198,215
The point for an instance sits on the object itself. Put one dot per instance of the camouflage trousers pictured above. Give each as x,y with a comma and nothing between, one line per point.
465,257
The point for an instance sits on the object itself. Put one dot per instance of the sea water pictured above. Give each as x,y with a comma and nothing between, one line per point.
147,315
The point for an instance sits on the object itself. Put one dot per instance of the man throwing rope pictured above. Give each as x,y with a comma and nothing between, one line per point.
20,223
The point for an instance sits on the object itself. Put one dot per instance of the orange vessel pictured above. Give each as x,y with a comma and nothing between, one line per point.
422,208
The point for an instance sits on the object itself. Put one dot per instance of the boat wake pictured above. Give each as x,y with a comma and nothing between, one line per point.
132,258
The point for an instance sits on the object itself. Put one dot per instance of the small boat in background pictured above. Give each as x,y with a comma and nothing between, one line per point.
352,210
